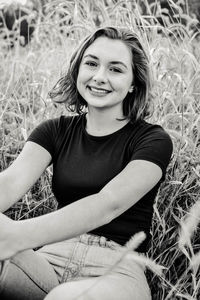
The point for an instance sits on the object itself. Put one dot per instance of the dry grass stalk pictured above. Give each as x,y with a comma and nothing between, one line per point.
29,73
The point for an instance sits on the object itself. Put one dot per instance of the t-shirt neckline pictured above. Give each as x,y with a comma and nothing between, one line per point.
101,137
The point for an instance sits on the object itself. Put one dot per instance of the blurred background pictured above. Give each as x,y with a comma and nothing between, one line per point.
36,40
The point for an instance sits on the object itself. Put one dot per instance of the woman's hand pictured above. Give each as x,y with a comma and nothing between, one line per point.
9,242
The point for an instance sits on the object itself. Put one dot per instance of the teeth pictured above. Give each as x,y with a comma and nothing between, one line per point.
98,91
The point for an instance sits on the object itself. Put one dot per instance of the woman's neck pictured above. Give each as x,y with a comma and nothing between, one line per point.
100,124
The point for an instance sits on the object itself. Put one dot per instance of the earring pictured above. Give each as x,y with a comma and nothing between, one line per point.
131,89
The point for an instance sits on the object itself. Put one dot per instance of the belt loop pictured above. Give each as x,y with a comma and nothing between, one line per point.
102,241
84,238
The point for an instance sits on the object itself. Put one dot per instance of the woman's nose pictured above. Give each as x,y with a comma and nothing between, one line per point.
100,75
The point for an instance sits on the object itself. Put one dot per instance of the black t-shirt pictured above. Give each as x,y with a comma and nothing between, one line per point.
83,164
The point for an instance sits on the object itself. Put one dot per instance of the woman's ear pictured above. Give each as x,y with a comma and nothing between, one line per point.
131,89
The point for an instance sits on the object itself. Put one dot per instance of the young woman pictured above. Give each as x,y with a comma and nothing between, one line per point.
108,163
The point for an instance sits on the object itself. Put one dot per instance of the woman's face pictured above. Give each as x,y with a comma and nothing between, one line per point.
105,74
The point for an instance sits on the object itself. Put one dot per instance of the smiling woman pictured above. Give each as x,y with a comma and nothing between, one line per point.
108,163
66,89
105,76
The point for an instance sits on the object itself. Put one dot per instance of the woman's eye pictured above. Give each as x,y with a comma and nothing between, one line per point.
91,63
117,70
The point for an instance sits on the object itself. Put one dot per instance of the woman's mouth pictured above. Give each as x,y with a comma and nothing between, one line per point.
98,91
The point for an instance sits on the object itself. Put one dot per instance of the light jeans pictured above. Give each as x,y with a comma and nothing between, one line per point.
85,268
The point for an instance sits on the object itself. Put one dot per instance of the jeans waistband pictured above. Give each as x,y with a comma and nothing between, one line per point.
91,239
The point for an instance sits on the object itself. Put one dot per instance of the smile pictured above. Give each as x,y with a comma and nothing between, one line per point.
98,91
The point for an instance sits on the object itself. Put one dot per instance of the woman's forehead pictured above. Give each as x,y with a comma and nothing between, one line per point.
111,49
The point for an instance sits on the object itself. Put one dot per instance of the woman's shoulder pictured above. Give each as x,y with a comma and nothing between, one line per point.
144,127
146,133
64,120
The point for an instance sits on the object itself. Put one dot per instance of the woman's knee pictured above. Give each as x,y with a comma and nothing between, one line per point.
16,285
58,293
26,276
71,290
55,294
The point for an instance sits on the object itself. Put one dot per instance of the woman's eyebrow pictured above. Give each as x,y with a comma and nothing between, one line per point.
91,55
119,63
112,62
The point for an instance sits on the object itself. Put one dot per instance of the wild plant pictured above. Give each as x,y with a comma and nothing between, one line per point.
27,74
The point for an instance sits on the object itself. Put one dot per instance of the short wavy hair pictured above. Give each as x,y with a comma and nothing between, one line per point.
135,104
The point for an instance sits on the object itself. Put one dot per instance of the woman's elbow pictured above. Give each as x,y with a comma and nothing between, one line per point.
112,207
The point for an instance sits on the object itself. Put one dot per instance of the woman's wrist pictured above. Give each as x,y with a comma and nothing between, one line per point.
10,237
23,236
17,237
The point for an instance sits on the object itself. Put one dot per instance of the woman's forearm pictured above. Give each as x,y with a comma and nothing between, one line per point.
6,197
75,219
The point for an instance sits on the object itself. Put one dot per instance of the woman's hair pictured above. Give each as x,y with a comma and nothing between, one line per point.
135,104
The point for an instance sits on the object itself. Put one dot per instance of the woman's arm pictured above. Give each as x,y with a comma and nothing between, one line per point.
88,213
17,179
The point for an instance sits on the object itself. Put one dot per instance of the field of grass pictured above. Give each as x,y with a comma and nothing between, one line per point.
28,73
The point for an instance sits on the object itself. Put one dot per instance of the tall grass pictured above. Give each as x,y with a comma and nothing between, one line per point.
27,74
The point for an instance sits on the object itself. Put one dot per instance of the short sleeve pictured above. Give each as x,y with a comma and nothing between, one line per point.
45,135
154,145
